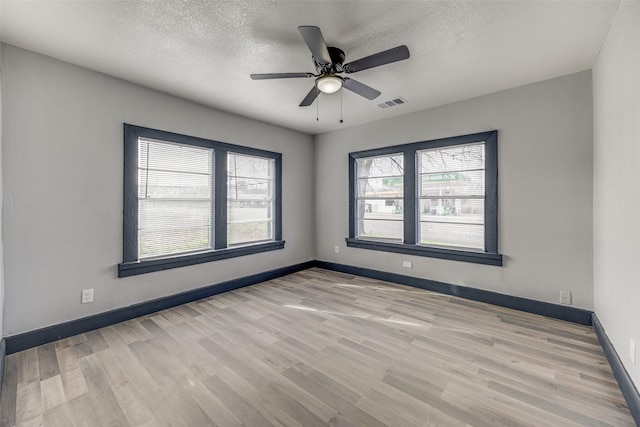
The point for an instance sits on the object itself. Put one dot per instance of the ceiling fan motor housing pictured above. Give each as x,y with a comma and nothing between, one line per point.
337,59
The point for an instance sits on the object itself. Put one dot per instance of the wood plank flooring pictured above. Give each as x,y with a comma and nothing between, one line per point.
319,348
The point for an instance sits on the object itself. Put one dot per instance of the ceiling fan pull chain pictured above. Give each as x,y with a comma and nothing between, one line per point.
317,103
340,105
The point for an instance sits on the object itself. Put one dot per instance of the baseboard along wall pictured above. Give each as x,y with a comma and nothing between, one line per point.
2,356
556,311
19,342
16,343
628,389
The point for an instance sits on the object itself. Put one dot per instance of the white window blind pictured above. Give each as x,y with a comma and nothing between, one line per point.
175,189
250,199
380,196
451,191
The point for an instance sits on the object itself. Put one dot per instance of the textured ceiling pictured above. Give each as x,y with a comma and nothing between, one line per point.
205,50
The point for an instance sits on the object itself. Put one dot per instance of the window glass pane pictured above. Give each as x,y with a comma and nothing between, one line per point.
452,210
249,232
162,155
450,234
174,198
391,186
249,188
175,185
455,158
387,209
380,229
451,188
379,200
244,211
390,165
250,201
168,239
244,166
380,218
452,184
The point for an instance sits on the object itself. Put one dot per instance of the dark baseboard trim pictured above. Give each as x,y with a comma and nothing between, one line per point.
556,311
38,337
2,354
52,333
629,391
31,339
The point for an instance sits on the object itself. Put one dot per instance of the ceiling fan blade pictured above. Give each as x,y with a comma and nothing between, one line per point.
381,58
311,96
313,38
360,88
280,76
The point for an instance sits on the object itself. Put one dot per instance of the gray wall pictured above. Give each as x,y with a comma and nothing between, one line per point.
545,188
63,164
616,96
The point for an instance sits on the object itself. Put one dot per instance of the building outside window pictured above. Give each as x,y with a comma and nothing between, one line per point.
380,195
435,198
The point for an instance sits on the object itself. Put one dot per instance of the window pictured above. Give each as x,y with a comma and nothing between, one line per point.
433,198
189,200
249,198
451,194
175,194
379,197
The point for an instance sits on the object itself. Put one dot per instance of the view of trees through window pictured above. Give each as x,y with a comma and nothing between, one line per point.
435,198
451,191
451,196
380,195
250,186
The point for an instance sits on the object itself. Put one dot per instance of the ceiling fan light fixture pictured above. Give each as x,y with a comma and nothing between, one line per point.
329,83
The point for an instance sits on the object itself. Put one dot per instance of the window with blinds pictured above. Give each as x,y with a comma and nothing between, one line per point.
190,200
451,193
436,198
379,197
250,198
175,198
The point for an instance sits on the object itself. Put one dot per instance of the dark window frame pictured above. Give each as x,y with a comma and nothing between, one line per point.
410,245
131,265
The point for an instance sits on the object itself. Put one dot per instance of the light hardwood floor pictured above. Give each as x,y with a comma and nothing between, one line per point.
319,348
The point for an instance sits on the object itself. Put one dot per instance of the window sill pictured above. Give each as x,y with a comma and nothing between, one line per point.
426,251
147,266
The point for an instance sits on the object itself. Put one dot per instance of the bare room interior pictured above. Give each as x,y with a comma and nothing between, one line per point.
319,213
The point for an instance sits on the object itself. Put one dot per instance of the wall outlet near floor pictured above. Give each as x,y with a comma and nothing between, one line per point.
336,249
632,351
407,264
565,297
87,296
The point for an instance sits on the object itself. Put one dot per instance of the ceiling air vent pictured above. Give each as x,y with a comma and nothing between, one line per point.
393,103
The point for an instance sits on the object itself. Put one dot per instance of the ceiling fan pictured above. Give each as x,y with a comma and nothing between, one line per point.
329,62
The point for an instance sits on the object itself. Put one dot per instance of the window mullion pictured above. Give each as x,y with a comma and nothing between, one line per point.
219,210
353,182
491,195
131,208
410,197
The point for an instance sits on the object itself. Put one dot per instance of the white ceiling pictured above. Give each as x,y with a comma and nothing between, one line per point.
205,50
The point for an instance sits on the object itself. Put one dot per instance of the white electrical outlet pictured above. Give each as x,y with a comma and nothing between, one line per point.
87,296
565,297
336,249
632,351
407,264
